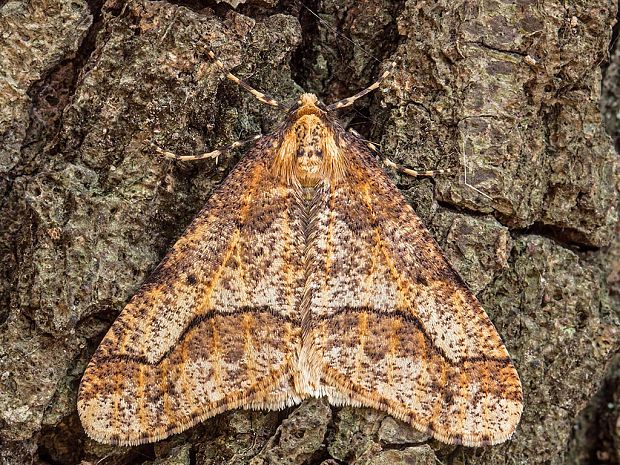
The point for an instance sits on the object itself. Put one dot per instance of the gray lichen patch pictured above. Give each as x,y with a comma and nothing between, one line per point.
549,306
393,432
499,92
32,367
477,247
235,438
299,438
419,455
31,45
610,97
180,455
355,433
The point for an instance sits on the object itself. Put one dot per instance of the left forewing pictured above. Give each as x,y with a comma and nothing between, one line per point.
214,328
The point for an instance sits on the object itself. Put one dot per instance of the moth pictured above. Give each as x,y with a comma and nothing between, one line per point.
307,274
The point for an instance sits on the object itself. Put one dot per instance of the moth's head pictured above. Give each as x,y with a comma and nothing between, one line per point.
308,153
308,104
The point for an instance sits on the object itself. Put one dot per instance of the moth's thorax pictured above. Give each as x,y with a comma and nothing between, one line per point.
308,153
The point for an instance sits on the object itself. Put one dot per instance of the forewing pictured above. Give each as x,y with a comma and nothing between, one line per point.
392,324
215,327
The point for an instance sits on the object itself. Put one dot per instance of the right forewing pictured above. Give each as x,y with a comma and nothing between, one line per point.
392,324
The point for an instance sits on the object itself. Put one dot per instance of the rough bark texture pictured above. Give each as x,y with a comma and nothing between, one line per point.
506,92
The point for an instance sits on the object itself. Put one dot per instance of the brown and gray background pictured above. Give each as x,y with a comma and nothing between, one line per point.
523,97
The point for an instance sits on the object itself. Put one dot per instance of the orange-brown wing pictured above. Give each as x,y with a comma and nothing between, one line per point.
216,325
393,326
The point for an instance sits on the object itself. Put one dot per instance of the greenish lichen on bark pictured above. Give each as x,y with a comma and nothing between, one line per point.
507,91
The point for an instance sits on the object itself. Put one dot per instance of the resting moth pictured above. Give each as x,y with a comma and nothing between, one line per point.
307,274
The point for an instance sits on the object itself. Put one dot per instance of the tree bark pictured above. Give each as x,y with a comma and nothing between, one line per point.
507,94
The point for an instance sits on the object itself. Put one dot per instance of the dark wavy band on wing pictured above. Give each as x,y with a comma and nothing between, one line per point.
197,321
407,317
410,319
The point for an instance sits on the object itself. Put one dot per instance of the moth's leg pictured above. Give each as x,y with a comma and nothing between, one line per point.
259,95
350,100
213,154
401,169
414,173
